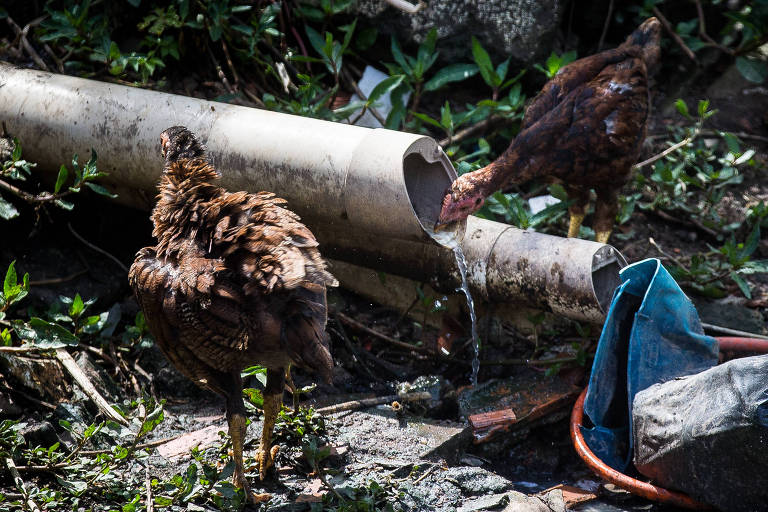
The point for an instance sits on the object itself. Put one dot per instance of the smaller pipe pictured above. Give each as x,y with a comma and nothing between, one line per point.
733,344
636,487
732,332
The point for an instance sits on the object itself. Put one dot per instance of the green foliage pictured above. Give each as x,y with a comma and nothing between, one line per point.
745,31
555,62
18,169
694,178
292,427
13,291
707,273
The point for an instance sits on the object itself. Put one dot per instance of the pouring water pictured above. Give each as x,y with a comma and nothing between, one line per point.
448,239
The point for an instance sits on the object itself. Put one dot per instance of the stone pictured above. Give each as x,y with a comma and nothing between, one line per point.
8,407
39,433
522,29
380,433
475,481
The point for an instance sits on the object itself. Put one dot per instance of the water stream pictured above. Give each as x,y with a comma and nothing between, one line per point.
448,239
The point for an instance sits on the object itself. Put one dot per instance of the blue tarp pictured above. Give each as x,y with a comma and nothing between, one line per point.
652,334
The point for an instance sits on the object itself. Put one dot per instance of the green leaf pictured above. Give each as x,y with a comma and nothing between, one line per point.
45,334
61,178
427,119
7,210
682,107
315,39
483,61
399,57
733,143
350,29
64,204
11,281
501,70
703,107
384,87
254,396
77,306
753,70
451,73
100,190
742,283
446,120
16,154
751,244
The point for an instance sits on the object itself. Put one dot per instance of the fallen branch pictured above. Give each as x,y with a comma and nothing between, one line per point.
355,405
31,505
69,363
392,341
673,34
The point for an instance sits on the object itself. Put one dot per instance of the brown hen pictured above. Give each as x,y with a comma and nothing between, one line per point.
234,280
584,130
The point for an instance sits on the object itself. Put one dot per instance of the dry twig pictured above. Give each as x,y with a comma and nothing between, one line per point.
97,249
605,26
392,341
31,505
22,35
472,130
351,82
355,405
671,31
69,363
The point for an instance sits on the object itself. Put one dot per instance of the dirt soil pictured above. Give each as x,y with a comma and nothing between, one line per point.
422,455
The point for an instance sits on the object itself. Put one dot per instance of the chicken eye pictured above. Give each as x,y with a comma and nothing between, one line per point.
478,201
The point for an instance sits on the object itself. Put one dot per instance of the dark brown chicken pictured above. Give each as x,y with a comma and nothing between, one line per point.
234,280
584,130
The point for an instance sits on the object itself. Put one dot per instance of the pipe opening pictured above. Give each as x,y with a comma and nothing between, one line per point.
426,183
606,264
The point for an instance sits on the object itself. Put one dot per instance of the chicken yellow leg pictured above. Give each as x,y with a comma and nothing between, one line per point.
575,224
237,429
273,401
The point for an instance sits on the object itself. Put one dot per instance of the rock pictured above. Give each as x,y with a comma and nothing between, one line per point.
725,313
379,432
522,29
8,408
39,433
475,481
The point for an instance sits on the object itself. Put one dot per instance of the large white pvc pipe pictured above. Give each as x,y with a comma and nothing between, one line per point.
343,176
367,194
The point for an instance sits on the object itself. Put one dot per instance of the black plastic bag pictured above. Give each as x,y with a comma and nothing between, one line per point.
707,434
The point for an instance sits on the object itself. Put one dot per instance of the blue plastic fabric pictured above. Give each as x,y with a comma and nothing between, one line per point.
652,334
